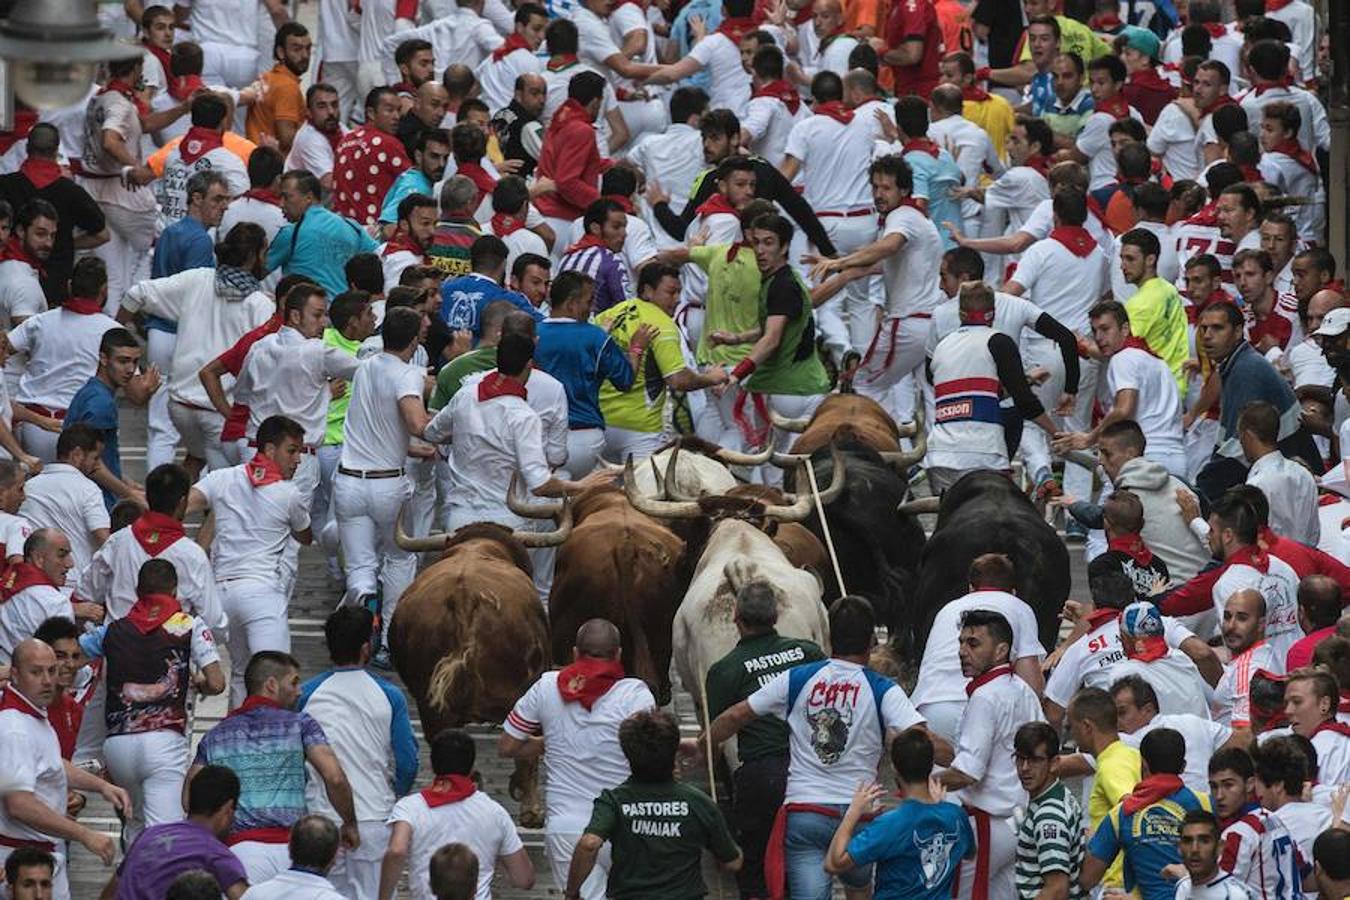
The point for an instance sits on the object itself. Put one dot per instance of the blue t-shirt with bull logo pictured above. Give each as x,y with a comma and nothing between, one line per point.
463,300
918,848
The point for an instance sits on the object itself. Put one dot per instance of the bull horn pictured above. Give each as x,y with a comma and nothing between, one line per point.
837,473
783,423
656,475
660,509
920,506
428,544
552,538
548,510
900,460
789,460
737,458
802,504
672,480
1082,458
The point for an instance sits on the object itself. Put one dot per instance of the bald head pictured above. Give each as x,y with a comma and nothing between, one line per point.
599,639
860,85
1244,620
33,671
1319,602
1248,600
431,103
33,652
829,7
947,99
1321,303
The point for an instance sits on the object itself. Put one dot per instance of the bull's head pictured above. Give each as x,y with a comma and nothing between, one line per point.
900,460
560,511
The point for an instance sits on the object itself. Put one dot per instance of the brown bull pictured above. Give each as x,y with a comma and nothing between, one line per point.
469,635
622,566
846,417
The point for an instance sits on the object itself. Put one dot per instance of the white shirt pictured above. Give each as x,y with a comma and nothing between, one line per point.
1232,695
1173,138
30,760
940,678
911,276
972,150
266,215
1061,282
581,747
674,158
1314,131
1174,678
1279,586
253,524
477,821
171,189
1203,736
768,121
522,240
1333,757
286,374
721,57
1293,179
984,750
232,22
14,532
339,33
834,162
1015,195
628,18
310,150
111,576
1222,887
1305,822
20,291
1158,406
62,351
1089,661
1012,316
21,615
596,43
463,37
1042,220
548,397
1094,142
1291,491
294,885
207,325
1302,22
836,726
64,498
376,437
497,78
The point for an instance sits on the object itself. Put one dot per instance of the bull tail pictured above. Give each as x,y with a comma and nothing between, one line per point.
447,679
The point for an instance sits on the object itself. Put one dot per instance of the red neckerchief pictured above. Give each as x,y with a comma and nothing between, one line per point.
907,201
118,86
334,137
1224,99
1099,617
1332,725
263,471
502,224
404,89
1095,208
20,577
781,89
972,317
974,93
1215,29
922,145
495,384
475,172
1149,80
264,195
403,241
65,712
1277,5
1132,545
252,702
1038,161
1144,649
156,532
198,142
1149,791
448,789
41,172
1294,150
1139,343
1105,23
1344,705
975,683
737,27
586,680
733,248
24,120
15,249
626,203
1285,82
1207,217
1132,179
12,699
83,306
152,610
1250,555
586,242
1117,107
836,110
560,62
164,57
1077,239
512,43
1250,174
716,204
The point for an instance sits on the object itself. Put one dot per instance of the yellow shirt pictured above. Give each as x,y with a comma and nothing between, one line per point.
995,116
1074,37
1117,774
640,407
1158,317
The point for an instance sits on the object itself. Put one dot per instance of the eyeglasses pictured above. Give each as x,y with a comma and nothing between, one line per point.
1022,758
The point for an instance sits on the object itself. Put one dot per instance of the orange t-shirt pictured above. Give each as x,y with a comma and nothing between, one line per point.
236,144
954,20
284,103
860,14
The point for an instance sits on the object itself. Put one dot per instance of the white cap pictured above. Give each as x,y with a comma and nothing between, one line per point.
1335,322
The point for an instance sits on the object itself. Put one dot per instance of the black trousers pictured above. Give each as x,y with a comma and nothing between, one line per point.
760,785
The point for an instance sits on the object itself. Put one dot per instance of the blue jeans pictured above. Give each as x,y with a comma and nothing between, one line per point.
807,839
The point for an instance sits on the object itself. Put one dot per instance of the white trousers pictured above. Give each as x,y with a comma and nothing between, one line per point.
262,861
356,873
689,317
1039,351
422,504
944,718
199,429
131,234
643,117
620,443
321,509
60,884
151,767
1001,853
716,420
230,65
343,77
895,350
792,406
846,321
162,437
306,481
234,451
584,446
257,611
89,743
559,847
38,441
367,510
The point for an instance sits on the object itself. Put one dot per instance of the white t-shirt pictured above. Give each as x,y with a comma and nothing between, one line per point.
721,57
940,678
477,821
984,750
1042,220
64,498
1061,282
1291,491
111,577
768,121
1176,681
1203,736
376,437
20,291
836,725
1222,887
339,32
497,77
1232,697
30,758
1173,138
14,532
1012,316
674,158
911,276
311,151
253,524
1333,757
1016,194
286,374
834,162
1089,661
1094,142
62,351
1158,406
171,189
581,747
232,22
21,615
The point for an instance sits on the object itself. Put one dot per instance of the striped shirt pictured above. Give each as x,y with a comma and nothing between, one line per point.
608,270
1050,839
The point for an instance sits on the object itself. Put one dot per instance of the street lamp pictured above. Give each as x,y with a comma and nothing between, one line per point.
52,49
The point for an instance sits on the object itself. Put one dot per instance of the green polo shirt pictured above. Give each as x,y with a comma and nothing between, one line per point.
337,406
453,373
732,302
753,663
658,833
1158,317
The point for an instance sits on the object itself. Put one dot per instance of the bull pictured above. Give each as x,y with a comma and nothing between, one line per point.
878,553
985,512
469,636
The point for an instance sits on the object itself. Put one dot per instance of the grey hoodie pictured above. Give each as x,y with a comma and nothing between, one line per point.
1165,532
